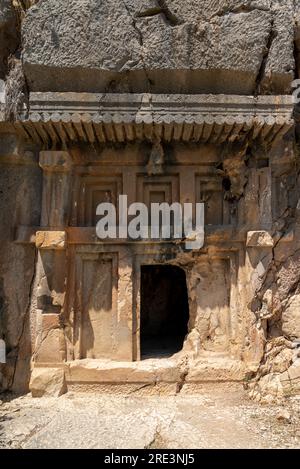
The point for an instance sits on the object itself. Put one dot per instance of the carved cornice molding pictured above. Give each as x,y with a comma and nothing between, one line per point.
127,117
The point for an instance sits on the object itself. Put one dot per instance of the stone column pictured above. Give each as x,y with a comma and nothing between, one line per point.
51,242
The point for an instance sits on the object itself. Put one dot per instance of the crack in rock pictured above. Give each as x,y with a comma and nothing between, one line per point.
161,9
141,41
262,70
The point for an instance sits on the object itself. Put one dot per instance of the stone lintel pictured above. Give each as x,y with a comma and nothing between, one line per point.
259,239
51,240
213,234
87,235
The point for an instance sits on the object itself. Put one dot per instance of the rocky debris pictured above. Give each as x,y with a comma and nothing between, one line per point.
47,382
279,374
284,416
227,47
9,37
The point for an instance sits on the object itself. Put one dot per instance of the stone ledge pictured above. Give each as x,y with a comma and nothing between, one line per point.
165,375
216,370
154,371
87,235
92,117
108,371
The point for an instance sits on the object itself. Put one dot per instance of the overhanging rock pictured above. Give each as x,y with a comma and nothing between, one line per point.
90,117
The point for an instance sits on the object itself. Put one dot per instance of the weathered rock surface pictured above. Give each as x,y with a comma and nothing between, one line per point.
297,37
8,34
51,240
47,382
20,186
164,46
259,239
2,100
214,416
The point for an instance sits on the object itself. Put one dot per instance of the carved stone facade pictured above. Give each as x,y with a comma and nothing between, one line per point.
86,310
78,312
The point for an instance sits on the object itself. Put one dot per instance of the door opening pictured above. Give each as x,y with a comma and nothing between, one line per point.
164,310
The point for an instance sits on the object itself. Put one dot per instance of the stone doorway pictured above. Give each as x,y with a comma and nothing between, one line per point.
164,310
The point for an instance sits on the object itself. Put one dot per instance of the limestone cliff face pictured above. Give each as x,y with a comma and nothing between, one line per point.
241,47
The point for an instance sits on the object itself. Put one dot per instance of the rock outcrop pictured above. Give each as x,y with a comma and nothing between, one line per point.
231,47
9,37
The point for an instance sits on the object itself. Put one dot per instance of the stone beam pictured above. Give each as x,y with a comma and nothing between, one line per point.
59,118
87,235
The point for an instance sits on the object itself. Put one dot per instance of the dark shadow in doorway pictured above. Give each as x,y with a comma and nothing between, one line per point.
164,310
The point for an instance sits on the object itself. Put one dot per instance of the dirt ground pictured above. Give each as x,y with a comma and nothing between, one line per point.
217,416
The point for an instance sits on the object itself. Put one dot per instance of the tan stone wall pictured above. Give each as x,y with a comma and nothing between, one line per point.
82,297
99,309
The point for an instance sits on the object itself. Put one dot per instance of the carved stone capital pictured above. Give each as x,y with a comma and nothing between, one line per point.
51,240
55,161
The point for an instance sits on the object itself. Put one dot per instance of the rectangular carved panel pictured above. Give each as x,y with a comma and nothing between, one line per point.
98,306
210,191
213,319
157,189
93,191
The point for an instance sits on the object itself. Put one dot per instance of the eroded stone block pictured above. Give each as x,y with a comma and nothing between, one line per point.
51,240
259,239
48,382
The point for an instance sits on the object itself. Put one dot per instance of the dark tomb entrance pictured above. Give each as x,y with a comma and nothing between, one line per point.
164,310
